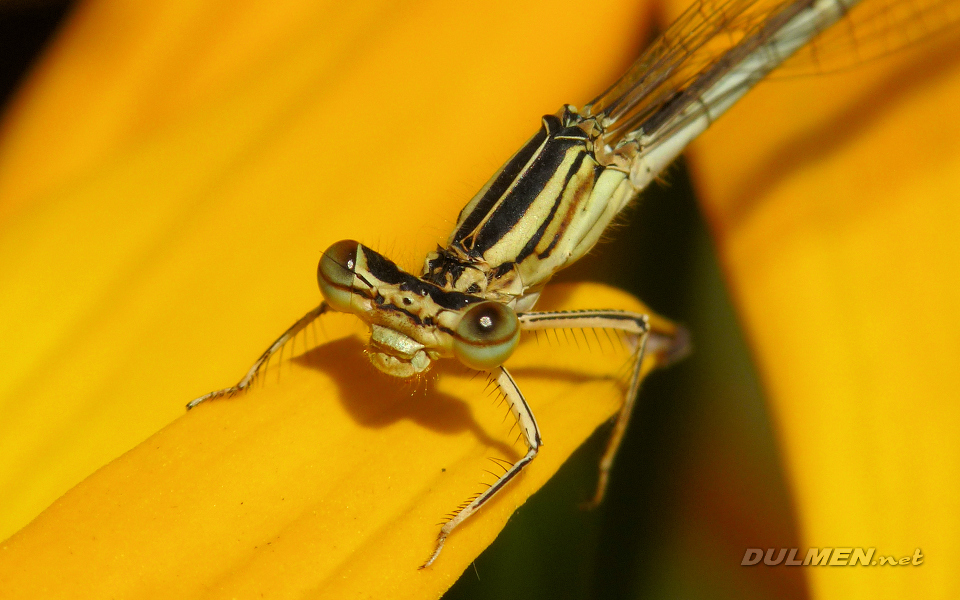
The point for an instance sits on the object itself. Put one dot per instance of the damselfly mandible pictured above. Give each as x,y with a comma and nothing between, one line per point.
550,203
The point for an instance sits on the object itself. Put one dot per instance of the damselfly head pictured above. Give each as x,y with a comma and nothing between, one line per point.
348,285
412,321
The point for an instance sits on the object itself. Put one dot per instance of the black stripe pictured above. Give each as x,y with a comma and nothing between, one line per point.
613,315
389,273
383,268
508,173
597,170
529,186
534,240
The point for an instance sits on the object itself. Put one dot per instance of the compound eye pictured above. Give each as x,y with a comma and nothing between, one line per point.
486,336
336,272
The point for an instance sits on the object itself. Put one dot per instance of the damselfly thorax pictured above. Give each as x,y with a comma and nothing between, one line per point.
542,211
551,202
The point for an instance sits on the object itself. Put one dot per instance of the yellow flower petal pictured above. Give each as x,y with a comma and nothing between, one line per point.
167,182
328,484
834,202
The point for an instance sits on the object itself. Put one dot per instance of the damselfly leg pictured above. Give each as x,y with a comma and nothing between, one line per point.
261,362
633,324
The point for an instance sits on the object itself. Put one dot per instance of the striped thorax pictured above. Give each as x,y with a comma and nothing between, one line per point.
544,209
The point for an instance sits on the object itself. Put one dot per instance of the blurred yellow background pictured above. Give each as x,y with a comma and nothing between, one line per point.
170,173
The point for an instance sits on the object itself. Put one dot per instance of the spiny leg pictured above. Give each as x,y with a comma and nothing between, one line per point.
287,335
635,324
531,435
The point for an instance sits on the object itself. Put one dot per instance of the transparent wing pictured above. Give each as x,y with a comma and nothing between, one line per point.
668,78
707,31
873,29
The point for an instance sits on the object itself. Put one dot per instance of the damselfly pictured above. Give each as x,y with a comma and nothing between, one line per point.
550,203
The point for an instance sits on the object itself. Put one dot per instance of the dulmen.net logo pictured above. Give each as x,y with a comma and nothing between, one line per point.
827,557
